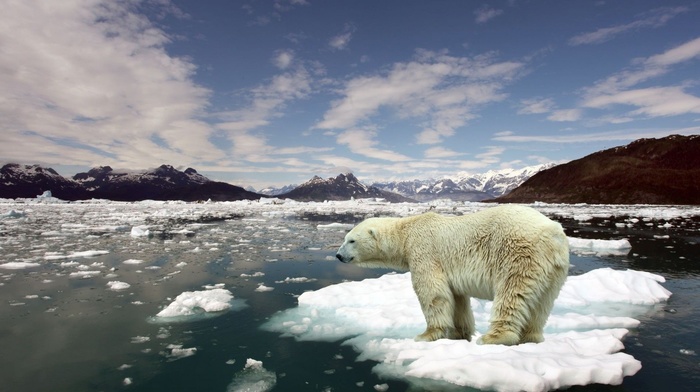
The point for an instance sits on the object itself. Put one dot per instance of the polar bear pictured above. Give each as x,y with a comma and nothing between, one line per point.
510,254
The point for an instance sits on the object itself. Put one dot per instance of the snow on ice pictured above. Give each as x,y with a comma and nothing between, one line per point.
193,304
379,318
253,377
117,286
18,265
600,247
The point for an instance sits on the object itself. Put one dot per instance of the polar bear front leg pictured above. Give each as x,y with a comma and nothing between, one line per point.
438,306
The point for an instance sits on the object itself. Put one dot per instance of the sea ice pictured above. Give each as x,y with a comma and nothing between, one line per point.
583,337
262,288
205,303
600,247
14,265
253,378
87,253
140,231
116,285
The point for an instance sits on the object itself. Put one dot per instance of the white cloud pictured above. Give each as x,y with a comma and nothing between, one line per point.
440,152
363,142
97,78
651,101
283,59
621,135
653,19
491,154
342,40
536,106
266,103
486,13
441,90
565,115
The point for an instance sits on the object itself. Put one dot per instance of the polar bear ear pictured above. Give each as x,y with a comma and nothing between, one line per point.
373,232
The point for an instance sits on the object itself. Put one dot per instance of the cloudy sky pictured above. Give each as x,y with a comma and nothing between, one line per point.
260,92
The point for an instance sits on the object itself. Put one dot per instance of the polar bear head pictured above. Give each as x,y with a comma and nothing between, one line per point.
370,244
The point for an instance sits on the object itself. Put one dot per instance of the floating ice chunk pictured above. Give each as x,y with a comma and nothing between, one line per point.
84,274
336,226
176,351
132,261
127,381
15,265
301,279
140,231
206,303
262,288
116,285
600,247
254,275
140,339
253,378
583,337
12,214
87,253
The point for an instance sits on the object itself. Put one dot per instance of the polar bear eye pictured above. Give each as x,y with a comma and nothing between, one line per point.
351,241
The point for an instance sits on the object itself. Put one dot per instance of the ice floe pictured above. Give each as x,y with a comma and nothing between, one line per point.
16,265
191,305
619,247
583,337
253,377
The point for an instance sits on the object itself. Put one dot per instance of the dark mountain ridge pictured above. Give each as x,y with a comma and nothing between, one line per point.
343,187
162,183
646,171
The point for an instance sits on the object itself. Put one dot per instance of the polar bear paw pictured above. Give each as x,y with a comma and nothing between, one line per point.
432,334
507,338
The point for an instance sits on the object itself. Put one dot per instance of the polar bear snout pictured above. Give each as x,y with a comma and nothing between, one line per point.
343,258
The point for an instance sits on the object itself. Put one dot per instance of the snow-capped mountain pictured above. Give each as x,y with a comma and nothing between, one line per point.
162,183
463,186
343,187
274,191
104,177
28,181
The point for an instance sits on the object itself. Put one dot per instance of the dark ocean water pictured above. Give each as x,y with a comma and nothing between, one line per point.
64,333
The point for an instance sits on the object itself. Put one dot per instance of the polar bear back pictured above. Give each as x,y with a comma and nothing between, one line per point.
478,251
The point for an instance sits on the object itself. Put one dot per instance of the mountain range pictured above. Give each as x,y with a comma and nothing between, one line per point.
464,187
162,183
343,187
646,171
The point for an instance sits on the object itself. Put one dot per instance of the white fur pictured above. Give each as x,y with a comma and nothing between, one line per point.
510,254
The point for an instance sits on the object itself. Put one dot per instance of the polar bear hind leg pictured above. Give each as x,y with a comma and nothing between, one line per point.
463,318
510,313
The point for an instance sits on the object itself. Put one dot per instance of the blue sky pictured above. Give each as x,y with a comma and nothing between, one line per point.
273,92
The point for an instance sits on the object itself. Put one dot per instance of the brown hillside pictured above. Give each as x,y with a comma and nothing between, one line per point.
646,171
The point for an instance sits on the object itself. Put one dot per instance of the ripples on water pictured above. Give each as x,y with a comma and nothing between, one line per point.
63,329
